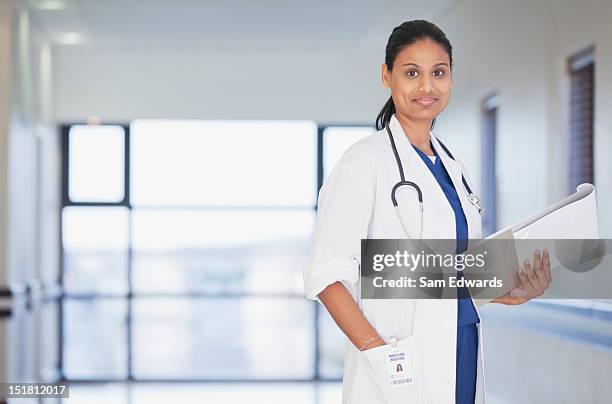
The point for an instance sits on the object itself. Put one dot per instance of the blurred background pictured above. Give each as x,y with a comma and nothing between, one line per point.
159,169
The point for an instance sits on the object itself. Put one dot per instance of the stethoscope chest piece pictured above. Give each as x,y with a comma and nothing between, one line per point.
476,202
471,196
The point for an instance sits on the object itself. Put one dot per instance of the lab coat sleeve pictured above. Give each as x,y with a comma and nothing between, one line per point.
344,210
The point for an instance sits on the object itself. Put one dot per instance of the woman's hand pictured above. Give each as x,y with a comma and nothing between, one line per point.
533,282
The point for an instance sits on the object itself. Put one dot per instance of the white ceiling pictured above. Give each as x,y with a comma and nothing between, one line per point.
264,25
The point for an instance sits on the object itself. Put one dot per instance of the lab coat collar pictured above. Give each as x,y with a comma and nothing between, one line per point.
407,152
404,147
452,166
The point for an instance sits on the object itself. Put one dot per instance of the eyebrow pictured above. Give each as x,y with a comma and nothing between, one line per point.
414,64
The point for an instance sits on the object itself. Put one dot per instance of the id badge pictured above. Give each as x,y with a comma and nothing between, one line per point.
399,367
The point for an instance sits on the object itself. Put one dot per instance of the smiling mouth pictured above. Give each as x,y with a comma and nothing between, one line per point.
425,101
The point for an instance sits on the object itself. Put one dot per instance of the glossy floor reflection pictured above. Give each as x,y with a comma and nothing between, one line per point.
218,393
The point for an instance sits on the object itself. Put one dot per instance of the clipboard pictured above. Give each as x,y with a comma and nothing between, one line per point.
552,221
573,217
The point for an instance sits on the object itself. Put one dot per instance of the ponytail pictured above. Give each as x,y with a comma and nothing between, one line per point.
384,117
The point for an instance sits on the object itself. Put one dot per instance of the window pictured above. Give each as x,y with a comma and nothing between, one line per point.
196,235
96,163
224,164
334,141
95,252
582,96
489,164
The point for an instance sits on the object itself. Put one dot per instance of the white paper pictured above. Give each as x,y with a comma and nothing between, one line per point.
574,217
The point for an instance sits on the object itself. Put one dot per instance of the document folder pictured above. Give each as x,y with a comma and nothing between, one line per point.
574,217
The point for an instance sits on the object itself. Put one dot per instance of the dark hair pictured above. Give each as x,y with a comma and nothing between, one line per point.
406,34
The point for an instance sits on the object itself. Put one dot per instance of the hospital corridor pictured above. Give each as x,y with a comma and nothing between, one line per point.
169,172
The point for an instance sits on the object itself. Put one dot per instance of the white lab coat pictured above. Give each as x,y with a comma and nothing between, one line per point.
355,203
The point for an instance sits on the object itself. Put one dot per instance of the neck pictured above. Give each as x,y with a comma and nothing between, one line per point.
417,132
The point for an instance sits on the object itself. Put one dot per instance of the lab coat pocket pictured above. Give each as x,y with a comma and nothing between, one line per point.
391,316
393,388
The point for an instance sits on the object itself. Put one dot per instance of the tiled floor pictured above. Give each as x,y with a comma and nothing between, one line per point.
214,393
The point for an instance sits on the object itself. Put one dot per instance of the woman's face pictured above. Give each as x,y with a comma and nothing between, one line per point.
420,81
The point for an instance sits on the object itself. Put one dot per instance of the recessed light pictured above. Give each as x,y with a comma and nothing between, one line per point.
49,4
68,38
94,120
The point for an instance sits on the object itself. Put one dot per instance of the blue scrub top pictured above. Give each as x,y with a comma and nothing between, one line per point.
467,317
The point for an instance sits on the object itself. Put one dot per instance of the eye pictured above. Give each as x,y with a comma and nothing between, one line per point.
439,71
409,73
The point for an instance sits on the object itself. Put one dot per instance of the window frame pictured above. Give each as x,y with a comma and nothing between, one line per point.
131,295
576,66
489,179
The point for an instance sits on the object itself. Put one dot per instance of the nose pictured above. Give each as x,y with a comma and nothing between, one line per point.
425,84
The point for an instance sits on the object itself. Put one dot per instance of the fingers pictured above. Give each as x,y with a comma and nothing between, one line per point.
538,278
546,265
539,271
526,286
532,278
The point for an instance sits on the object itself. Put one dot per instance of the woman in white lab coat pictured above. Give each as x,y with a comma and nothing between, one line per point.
444,357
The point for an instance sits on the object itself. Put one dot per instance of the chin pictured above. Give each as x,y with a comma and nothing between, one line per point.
421,115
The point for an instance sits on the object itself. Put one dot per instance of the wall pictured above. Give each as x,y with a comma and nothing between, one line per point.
5,80
534,354
520,55
121,85
29,186
518,49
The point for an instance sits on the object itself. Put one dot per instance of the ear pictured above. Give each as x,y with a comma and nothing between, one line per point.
385,76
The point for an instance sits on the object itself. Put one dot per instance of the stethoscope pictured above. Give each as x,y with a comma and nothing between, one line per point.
471,196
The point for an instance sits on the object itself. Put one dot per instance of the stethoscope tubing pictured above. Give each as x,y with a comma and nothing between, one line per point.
473,199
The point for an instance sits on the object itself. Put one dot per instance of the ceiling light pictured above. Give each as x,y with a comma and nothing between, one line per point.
94,120
49,4
68,38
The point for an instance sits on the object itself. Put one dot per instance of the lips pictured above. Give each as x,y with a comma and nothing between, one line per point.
425,100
